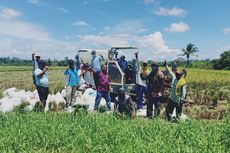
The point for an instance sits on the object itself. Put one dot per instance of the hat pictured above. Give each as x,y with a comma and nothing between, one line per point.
37,55
122,90
93,52
145,63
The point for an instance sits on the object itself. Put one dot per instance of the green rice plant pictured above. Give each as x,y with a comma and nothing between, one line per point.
61,132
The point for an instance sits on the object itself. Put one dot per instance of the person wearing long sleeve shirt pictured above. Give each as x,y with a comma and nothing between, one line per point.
124,104
177,93
72,81
103,88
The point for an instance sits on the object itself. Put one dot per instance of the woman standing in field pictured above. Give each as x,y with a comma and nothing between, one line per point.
42,83
177,94
72,81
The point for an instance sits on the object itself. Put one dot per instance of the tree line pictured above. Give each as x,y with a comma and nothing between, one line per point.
223,62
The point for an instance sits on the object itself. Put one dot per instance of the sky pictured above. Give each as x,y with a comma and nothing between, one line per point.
159,28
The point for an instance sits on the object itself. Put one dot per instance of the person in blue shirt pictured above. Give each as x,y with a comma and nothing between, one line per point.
41,80
96,65
96,61
123,63
72,82
178,92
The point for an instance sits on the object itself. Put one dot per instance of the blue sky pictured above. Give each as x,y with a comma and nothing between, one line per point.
160,28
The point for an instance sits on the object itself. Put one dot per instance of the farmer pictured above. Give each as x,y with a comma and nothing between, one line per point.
141,86
35,59
123,63
88,76
96,65
103,88
155,83
177,94
124,104
82,82
42,82
72,82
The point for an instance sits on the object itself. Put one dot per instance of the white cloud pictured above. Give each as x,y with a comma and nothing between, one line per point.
171,12
178,27
151,46
149,1
8,13
12,25
107,28
62,9
80,24
14,47
154,41
129,27
67,37
19,38
226,30
24,30
36,2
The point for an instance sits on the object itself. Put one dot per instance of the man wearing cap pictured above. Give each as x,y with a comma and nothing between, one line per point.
72,81
35,59
155,83
141,86
42,83
177,94
96,61
96,65
124,104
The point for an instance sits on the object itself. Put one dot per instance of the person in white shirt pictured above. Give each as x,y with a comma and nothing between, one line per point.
42,83
141,87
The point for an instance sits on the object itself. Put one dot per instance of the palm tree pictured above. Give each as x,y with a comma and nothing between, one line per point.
190,50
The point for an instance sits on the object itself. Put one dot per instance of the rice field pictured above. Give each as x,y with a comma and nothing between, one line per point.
22,131
208,89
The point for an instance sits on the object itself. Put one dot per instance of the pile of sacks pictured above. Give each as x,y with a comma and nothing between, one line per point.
12,98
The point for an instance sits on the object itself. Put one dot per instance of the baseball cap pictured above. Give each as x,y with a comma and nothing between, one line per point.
93,52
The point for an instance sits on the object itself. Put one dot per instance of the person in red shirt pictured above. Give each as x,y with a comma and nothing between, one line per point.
103,88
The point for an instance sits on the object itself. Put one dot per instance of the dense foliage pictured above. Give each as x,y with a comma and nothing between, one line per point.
223,62
7,61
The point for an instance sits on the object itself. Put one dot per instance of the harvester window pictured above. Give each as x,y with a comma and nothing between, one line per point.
114,73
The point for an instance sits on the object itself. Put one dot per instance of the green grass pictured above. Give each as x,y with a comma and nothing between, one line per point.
59,132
